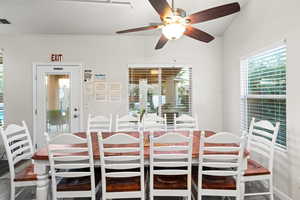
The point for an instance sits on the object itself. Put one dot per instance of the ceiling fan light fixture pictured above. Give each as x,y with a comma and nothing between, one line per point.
173,31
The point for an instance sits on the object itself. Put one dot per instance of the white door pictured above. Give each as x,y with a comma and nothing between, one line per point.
58,100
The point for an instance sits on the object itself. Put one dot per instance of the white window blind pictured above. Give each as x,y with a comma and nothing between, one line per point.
162,90
263,89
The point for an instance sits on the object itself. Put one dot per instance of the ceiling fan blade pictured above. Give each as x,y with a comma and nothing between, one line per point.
198,34
214,13
162,7
145,28
161,42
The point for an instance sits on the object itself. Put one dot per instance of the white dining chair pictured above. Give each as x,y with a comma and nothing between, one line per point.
72,166
261,141
185,122
220,167
100,123
18,147
153,122
127,123
170,164
122,167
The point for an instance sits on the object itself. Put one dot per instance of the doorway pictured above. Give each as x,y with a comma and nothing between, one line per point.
58,100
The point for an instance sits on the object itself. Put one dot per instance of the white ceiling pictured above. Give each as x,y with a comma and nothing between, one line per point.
59,17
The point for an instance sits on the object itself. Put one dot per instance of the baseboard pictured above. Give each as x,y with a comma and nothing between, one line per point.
281,195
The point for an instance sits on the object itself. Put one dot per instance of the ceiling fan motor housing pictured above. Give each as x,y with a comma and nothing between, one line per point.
179,12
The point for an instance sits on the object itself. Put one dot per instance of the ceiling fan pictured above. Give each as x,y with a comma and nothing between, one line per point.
175,23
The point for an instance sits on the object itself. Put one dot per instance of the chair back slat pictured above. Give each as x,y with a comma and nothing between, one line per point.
171,172
67,138
169,164
18,137
123,166
121,150
121,156
127,123
13,129
153,122
121,138
170,138
185,122
71,156
262,140
170,156
222,138
122,174
72,174
69,150
224,149
100,123
170,148
18,145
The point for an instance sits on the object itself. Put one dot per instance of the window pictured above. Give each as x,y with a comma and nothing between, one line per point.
1,90
165,91
263,89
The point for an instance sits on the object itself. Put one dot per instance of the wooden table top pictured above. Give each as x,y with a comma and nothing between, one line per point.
42,154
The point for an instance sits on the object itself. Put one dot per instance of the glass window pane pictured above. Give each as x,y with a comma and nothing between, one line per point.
176,92
264,89
58,103
144,90
164,91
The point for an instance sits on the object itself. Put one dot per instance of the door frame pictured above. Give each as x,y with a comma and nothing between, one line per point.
34,100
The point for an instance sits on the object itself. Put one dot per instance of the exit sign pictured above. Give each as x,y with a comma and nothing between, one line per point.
56,57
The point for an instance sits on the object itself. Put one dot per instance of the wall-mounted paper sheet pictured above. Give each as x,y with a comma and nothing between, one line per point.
100,89
115,90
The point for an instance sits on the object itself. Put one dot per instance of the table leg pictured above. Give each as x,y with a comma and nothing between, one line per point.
41,170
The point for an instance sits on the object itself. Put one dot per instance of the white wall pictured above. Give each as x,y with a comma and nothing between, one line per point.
111,55
260,25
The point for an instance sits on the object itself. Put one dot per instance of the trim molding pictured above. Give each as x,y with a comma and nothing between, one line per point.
281,195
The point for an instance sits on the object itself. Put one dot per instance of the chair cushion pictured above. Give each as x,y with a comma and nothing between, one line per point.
123,184
215,182
255,169
27,174
78,184
166,182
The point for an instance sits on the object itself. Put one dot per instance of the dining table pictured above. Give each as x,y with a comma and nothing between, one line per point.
42,165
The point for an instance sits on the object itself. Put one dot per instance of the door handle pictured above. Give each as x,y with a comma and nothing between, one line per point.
75,116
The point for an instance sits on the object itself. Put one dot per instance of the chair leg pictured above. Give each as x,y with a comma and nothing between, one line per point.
199,196
271,188
12,192
243,185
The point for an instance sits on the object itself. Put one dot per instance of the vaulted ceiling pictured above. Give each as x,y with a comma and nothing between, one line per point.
65,17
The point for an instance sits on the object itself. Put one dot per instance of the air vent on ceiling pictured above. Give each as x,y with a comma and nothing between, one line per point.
4,21
113,2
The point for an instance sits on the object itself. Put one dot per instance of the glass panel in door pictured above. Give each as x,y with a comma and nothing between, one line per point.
57,103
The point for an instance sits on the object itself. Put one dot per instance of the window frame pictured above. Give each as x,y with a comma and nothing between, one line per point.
244,91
